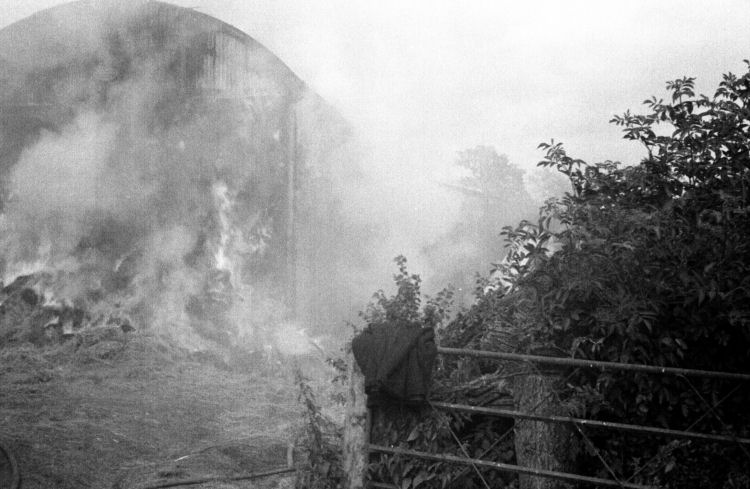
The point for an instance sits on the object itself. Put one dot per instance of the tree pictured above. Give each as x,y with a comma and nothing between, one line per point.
655,269
494,195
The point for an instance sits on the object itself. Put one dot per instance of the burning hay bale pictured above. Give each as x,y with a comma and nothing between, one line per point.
27,316
18,304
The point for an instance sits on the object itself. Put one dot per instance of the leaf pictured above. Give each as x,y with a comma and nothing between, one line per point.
420,478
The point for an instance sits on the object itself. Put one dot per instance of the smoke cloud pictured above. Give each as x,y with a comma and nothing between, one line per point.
148,201
175,210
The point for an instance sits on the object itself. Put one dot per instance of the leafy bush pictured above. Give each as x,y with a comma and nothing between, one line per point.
424,428
321,439
406,305
653,268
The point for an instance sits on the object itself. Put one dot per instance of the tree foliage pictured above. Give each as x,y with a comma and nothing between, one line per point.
405,306
493,193
654,268
651,266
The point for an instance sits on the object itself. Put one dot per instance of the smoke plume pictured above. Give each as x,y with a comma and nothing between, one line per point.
247,219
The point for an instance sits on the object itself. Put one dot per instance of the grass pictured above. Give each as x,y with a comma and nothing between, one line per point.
89,412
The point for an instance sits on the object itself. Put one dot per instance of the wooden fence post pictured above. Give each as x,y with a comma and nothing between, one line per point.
356,429
539,444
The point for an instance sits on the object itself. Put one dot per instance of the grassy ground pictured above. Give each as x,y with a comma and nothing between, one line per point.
86,413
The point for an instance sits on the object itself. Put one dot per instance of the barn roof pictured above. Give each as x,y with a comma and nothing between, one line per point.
75,33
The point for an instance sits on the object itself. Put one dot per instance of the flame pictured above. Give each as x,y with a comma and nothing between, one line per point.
20,268
224,204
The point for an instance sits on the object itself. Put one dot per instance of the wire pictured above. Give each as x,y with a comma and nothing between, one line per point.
532,368
592,447
463,450
692,425
713,411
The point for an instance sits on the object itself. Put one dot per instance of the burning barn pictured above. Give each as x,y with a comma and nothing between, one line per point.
154,161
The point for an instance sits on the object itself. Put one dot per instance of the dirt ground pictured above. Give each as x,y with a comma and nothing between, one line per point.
107,412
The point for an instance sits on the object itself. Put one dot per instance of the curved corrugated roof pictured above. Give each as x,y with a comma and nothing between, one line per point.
75,32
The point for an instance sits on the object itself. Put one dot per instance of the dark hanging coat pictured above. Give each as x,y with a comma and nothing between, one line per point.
397,361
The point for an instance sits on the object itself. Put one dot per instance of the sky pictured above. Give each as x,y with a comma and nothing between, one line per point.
425,79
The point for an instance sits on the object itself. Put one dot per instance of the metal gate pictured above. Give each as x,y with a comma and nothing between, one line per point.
359,480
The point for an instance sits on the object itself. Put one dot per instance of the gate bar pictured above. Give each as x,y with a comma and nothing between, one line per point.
592,423
575,362
507,467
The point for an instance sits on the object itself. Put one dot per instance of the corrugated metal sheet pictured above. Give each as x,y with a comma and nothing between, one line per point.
200,52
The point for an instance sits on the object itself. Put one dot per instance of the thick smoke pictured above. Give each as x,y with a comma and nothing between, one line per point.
106,210
362,217
379,202
151,201
174,209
